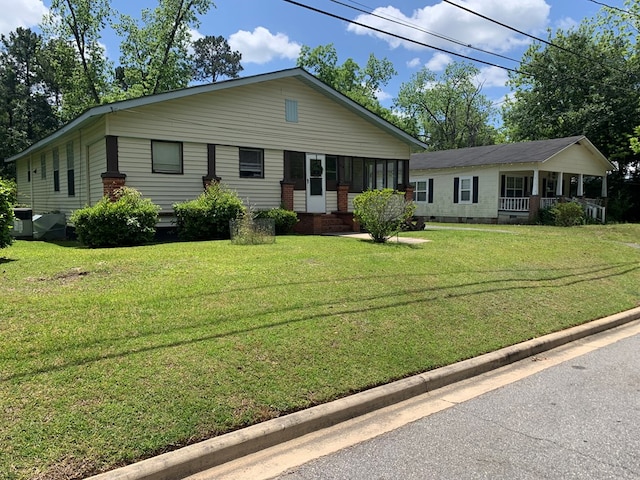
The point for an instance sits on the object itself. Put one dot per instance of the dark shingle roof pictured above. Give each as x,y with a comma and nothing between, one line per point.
523,152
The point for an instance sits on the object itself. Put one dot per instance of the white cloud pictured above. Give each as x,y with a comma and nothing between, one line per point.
492,77
23,13
383,96
566,23
261,46
439,62
414,62
447,20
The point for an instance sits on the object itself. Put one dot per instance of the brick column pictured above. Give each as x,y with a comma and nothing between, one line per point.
343,197
112,181
286,195
408,193
534,207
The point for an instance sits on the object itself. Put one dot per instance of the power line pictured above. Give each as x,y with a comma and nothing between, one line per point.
551,44
400,37
416,27
626,12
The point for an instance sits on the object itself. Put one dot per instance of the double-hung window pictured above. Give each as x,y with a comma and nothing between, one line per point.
514,187
166,157
465,190
251,162
420,192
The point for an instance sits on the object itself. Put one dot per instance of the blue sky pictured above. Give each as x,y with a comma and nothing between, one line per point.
269,33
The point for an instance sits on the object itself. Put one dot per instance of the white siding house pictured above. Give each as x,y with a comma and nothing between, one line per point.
282,138
507,183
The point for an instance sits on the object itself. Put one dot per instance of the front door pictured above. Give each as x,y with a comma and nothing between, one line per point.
316,183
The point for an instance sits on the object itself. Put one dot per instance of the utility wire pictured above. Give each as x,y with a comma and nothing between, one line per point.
400,37
416,27
521,72
551,44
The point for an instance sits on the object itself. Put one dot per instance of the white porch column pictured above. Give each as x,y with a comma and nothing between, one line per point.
580,185
559,185
534,189
604,187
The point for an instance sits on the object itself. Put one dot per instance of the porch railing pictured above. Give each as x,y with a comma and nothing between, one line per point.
546,202
592,207
514,204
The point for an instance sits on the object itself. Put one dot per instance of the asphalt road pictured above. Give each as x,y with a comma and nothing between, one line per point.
579,419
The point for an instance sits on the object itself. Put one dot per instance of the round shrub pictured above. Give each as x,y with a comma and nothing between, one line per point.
568,214
208,216
128,219
382,212
284,219
7,199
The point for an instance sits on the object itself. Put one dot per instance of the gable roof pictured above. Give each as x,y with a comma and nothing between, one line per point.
298,73
537,151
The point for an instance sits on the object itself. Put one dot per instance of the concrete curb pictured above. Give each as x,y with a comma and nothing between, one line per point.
216,451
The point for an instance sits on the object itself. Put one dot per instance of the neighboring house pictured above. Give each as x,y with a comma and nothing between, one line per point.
278,139
507,183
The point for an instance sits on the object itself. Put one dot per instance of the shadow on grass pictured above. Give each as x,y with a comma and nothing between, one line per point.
558,281
6,260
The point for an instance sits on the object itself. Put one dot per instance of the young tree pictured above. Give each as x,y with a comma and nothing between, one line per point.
382,212
450,111
213,59
154,53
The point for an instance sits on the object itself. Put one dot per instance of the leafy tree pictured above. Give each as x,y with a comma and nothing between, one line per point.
588,86
382,212
26,113
360,84
450,111
80,22
213,59
154,54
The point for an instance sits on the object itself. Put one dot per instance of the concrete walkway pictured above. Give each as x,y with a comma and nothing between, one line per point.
394,239
193,459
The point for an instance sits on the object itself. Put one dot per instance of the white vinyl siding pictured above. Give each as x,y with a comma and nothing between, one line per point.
443,205
230,117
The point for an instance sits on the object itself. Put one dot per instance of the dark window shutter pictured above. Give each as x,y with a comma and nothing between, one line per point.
475,189
430,193
525,190
544,187
456,186
503,186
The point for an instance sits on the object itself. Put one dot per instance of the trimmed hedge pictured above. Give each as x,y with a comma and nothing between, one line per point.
284,219
207,217
129,220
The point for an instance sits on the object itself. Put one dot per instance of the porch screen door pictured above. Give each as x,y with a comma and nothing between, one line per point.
316,183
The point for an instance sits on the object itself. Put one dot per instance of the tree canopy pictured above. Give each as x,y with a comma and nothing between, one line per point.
449,111
586,83
213,59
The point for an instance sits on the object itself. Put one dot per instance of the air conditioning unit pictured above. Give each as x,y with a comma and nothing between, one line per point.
22,223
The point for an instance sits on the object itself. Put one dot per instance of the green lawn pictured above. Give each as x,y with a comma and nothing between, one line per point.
112,355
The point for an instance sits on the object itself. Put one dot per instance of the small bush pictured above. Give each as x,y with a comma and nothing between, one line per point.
129,220
546,216
284,219
208,216
568,214
382,212
7,199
